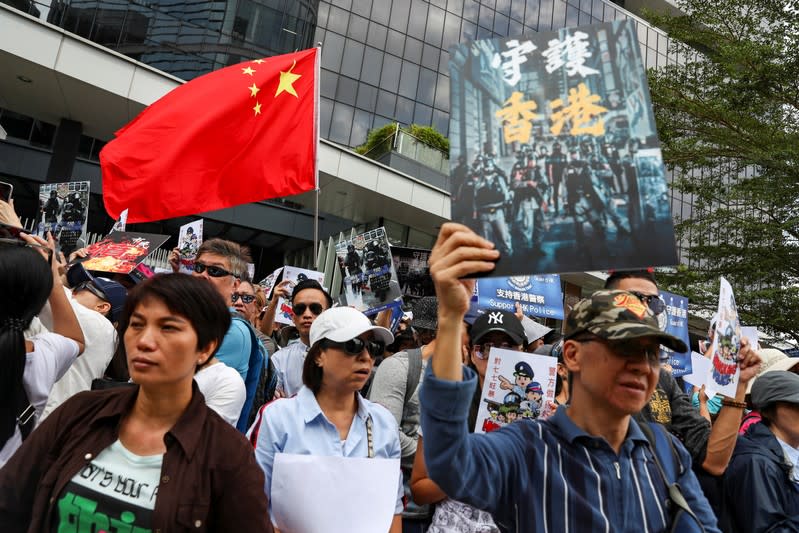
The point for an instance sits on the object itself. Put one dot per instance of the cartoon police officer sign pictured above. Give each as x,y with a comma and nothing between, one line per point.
517,386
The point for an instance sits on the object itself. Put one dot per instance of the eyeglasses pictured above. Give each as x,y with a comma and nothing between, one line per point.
632,350
299,309
653,301
213,271
356,346
92,288
481,351
245,298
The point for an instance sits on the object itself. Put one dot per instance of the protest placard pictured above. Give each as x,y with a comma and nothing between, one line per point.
121,222
413,272
517,386
369,280
724,372
269,282
190,237
63,211
698,377
121,251
674,320
554,151
539,296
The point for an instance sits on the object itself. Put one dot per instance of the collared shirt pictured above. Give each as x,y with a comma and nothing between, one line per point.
209,479
288,361
298,425
792,455
549,475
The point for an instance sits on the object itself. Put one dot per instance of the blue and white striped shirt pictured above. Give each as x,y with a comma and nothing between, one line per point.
549,476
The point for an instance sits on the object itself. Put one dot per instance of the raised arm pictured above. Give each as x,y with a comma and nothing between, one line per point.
268,323
64,320
724,433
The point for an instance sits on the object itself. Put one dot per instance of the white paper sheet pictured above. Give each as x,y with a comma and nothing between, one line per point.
701,369
313,494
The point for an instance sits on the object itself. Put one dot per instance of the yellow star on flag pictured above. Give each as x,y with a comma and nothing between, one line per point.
257,108
253,90
259,61
286,80
248,70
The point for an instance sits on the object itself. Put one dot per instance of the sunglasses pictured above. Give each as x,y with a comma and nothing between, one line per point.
92,288
632,350
356,346
481,351
245,298
299,309
213,271
652,301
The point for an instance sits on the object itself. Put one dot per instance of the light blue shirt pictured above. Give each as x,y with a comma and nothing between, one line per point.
298,425
792,454
289,362
235,348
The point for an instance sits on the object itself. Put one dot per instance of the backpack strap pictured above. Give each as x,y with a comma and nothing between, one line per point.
657,438
255,365
414,373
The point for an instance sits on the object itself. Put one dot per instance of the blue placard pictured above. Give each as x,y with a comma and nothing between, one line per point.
677,325
539,296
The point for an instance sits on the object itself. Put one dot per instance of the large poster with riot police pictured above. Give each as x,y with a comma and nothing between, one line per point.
555,156
369,280
63,210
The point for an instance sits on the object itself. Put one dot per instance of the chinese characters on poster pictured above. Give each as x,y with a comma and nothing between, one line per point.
554,151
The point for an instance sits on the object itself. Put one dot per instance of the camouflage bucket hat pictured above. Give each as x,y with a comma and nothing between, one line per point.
617,315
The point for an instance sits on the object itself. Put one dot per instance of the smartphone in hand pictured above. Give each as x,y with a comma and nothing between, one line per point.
5,191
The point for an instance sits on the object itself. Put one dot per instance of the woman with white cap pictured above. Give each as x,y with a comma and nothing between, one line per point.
328,416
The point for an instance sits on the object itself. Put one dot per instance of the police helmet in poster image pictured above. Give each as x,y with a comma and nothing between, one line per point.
555,155
63,210
369,279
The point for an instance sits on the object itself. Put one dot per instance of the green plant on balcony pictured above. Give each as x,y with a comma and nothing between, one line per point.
379,140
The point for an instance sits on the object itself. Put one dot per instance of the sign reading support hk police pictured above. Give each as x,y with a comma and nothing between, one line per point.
674,320
539,296
555,156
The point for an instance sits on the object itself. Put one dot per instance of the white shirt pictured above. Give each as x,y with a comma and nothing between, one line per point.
288,361
100,342
51,356
223,389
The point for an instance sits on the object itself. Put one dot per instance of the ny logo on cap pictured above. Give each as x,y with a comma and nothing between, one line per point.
495,318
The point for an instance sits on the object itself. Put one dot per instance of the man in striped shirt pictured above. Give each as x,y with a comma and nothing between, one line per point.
590,467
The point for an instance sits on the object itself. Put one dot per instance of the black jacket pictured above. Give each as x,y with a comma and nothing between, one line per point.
759,493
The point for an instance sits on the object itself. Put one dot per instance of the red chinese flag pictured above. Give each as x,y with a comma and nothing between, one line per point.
237,135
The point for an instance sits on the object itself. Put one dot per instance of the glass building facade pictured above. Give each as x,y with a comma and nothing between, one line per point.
186,38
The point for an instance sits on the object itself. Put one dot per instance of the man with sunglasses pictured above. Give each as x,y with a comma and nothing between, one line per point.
308,300
223,263
589,467
710,447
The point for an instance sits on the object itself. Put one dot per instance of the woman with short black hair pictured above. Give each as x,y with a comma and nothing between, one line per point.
148,457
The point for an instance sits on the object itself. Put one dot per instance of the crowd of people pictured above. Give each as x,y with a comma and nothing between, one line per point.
163,405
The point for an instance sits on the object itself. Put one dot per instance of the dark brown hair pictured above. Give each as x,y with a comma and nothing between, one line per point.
191,297
311,372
